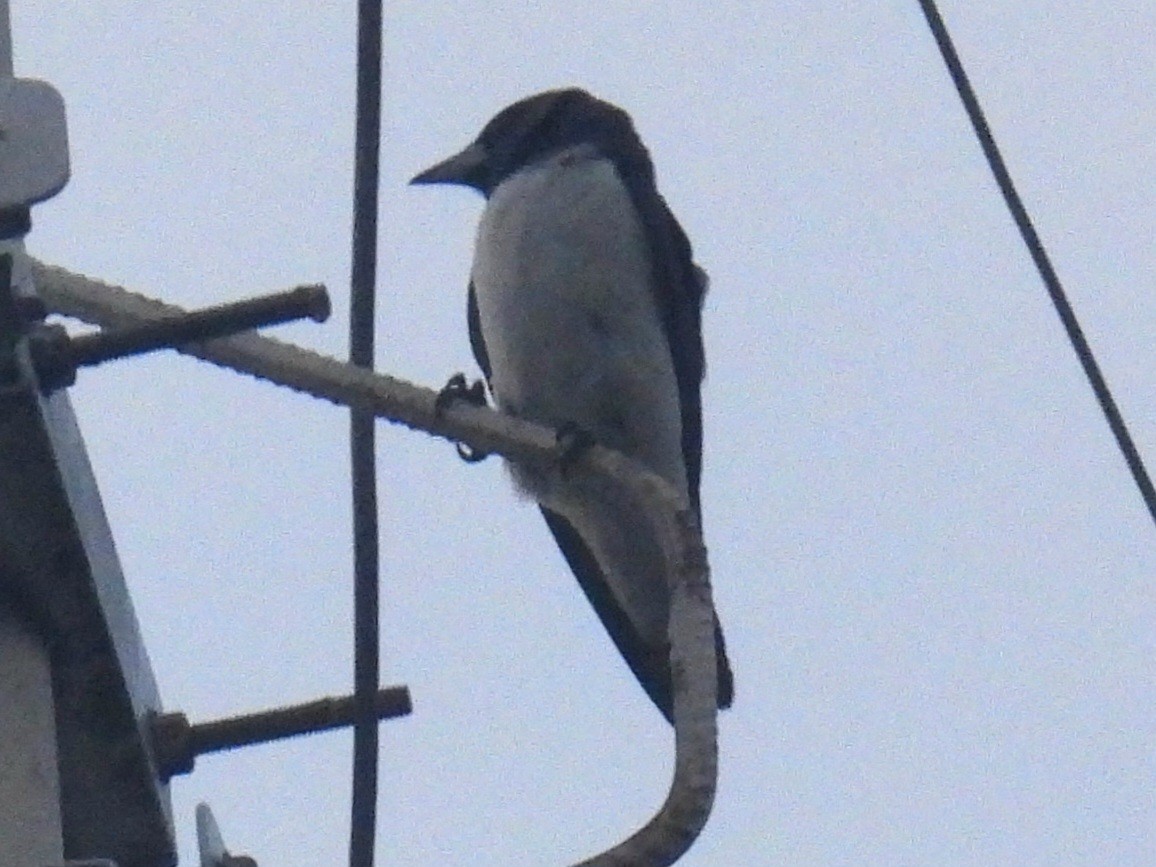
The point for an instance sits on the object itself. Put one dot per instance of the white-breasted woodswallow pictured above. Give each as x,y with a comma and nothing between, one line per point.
584,313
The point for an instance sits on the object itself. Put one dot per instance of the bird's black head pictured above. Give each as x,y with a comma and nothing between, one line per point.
536,127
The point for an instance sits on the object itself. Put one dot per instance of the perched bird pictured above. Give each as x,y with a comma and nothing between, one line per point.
584,314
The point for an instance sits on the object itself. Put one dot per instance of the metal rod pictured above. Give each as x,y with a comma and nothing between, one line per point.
177,743
314,716
362,427
303,302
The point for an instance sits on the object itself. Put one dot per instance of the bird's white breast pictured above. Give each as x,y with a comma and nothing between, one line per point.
563,283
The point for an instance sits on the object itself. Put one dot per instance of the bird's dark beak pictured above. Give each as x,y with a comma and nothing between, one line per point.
467,167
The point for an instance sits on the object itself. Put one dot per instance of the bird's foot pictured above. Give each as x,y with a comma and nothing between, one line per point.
457,388
573,441
472,393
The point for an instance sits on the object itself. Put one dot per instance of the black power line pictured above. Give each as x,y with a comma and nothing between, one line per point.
1039,255
366,662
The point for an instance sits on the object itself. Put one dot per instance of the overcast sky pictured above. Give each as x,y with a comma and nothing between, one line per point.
936,577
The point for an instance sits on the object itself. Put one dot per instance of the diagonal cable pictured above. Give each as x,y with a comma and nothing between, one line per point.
1039,255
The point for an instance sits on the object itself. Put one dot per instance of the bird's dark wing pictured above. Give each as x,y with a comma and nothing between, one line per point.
477,340
650,665
679,289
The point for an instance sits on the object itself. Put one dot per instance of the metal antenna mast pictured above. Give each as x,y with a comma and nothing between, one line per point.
86,753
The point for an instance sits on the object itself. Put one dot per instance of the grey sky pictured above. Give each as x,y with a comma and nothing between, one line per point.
935,575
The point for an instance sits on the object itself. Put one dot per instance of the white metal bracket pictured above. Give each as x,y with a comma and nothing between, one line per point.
33,142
